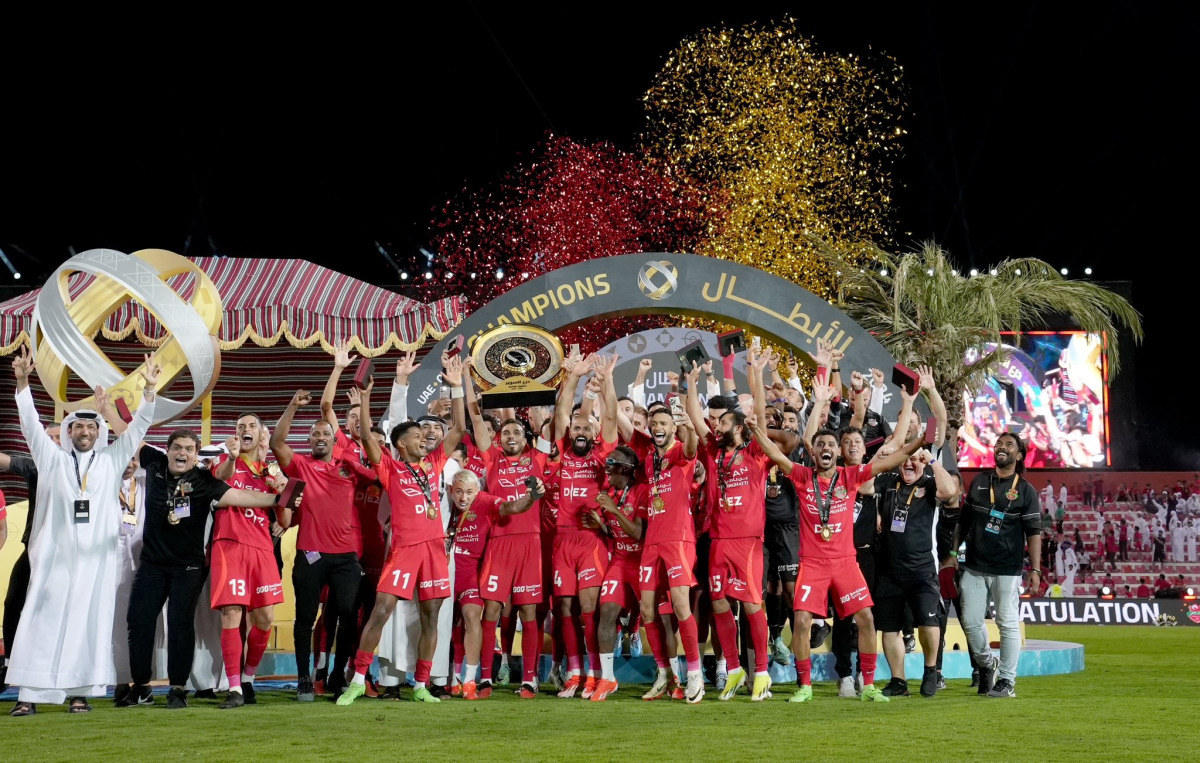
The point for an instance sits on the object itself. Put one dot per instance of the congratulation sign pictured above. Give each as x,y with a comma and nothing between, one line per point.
63,328
672,284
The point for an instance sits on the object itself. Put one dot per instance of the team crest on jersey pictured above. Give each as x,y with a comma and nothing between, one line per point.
839,492
737,459
469,515
1011,494
919,492
374,491
343,472
524,461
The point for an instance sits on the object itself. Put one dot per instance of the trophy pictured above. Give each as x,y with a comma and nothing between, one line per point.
517,365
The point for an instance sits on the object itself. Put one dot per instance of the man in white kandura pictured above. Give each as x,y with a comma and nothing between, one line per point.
67,622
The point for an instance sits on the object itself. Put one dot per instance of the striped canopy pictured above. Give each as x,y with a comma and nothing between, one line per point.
268,300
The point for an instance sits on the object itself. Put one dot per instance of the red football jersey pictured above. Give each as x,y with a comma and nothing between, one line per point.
411,522
740,511
474,525
250,527
550,500
327,517
636,505
579,479
673,521
508,484
475,461
346,447
374,541
841,511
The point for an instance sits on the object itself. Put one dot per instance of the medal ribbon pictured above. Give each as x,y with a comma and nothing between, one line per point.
723,471
423,483
824,502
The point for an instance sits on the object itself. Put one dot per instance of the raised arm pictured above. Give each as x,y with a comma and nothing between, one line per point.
608,417
41,447
692,406
397,410
937,406
341,361
686,434
370,445
777,456
127,444
858,399
893,460
576,368
901,431
453,375
754,373
283,451
822,395
104,405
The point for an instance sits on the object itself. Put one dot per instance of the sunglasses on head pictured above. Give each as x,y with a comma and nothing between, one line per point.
610,462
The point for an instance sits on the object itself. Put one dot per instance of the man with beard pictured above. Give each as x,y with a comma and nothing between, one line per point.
417,566
1001,513
907,571
179,498
330,538
580,556
512,563
246,579
668,455
65,650
737,468
827,544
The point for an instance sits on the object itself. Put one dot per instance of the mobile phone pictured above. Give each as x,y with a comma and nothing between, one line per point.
676,405
123,410
574,350
756,343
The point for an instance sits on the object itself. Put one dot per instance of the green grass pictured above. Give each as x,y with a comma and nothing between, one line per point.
1136,700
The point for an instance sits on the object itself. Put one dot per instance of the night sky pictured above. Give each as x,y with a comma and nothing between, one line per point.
1034,129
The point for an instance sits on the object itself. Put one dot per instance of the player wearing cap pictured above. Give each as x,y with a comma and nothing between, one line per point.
826,495
417,567
580,555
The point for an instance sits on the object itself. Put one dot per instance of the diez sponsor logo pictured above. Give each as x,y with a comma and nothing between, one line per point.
575,492
628,546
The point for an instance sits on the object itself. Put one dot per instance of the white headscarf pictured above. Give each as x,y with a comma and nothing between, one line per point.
64,439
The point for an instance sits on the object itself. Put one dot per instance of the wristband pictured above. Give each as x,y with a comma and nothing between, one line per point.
835,370
590,395
456,393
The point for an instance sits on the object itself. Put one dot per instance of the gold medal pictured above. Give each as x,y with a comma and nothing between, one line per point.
431,511
826,532
658,503
172,518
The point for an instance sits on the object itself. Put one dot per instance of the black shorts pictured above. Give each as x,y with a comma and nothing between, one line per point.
923,597
703,545
783,551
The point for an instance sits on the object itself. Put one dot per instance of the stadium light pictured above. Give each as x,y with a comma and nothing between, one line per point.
1087,271
883,272
403,275
1106,593
499,273
974,272
1189,594
1063,271
993,271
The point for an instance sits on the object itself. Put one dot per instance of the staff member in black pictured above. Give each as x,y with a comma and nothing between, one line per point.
907,572
172,569
1001,512
783,558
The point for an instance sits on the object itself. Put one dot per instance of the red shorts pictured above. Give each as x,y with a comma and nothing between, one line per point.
244,575
735,569
512,567
819,576
466,580
579,562
668,565
620,586
419,567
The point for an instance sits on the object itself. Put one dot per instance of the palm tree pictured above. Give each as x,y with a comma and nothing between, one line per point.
924,310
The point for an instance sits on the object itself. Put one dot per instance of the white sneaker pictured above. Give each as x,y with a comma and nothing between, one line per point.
722,678
659,687
858,684
846,688
695,687
555,678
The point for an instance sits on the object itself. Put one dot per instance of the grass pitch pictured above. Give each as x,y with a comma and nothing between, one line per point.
1136,700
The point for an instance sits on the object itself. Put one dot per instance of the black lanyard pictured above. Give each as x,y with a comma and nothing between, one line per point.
723,471
657,459
621,500
422,482
824,502
82,481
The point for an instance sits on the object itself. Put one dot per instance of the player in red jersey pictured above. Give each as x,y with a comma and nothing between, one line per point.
668,457
512,563
737,470
245,577
625,504
330,538
580,554
417,566
829,560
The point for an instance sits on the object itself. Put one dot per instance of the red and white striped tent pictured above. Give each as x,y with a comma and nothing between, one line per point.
281,321
268,300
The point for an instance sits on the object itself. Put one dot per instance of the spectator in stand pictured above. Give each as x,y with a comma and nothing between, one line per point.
1110,545
1061,512
1085,563
1078,540
1160,548
1161,583
1122,493
1098,492
1143,589
1123,542
1047,521
1087,493
1108,582
1128,593
1138,539
1062,494
1048,495
1178,538
1140,525
1192,532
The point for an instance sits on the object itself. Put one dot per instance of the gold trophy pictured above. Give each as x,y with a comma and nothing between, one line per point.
517,365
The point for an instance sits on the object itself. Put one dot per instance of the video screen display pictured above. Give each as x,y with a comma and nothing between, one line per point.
1053,392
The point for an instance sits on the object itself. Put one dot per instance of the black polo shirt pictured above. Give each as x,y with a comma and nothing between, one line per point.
783,508
907,544
183,543
23,467
996,545
866,508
